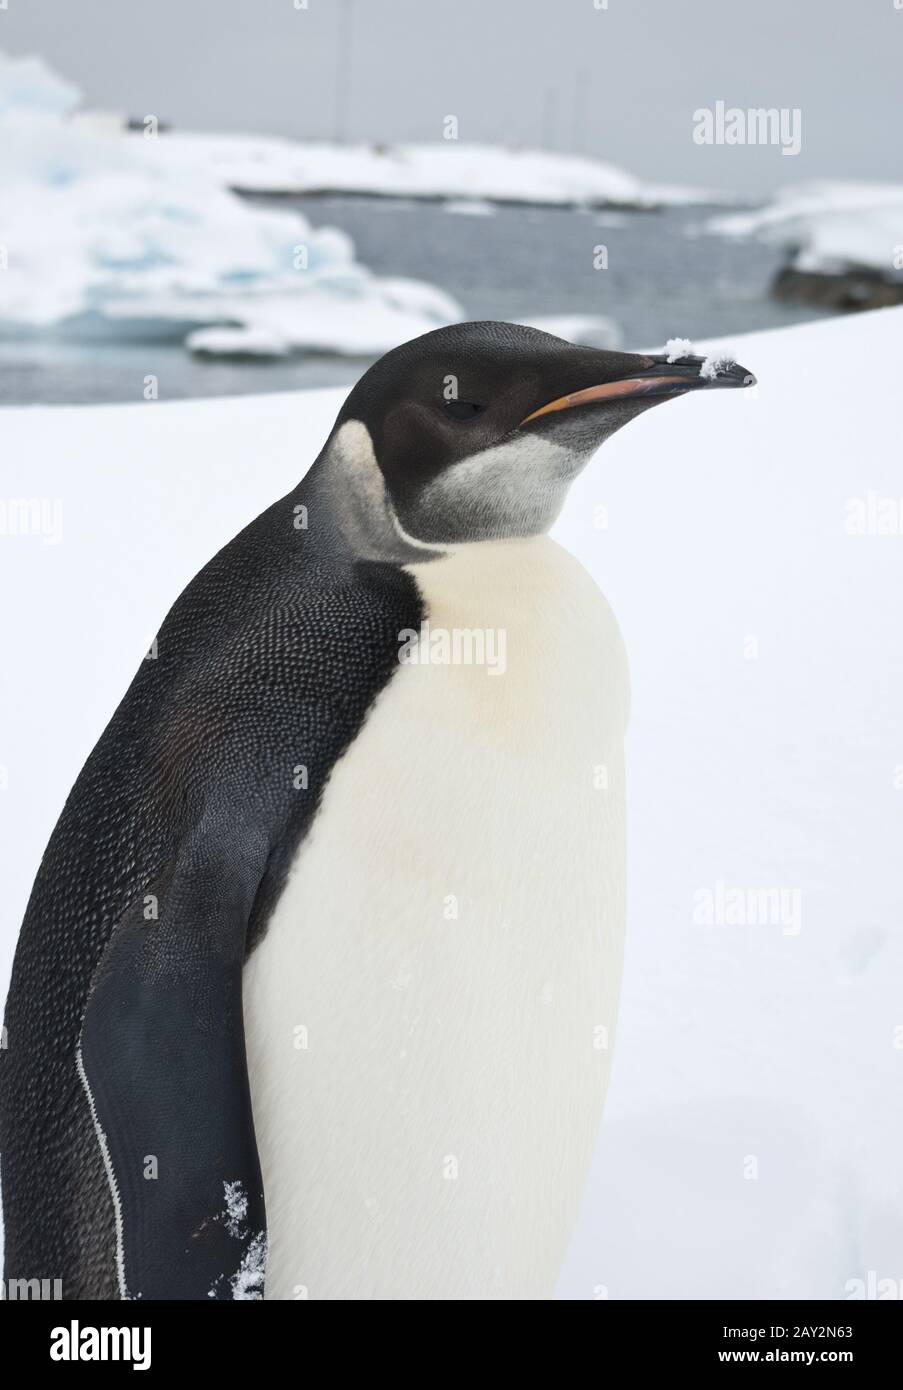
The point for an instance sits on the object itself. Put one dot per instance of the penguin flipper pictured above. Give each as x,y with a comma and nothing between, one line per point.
162,1059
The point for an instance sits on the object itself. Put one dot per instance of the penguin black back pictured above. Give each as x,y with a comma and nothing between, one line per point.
206,777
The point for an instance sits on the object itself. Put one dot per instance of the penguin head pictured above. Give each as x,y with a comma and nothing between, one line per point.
478,429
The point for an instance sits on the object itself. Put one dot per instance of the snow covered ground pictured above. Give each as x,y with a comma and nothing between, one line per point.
831,226
446,169
752,546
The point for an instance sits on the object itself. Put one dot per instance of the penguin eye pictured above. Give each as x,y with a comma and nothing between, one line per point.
462,410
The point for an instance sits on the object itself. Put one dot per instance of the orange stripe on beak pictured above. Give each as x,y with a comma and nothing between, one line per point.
610,390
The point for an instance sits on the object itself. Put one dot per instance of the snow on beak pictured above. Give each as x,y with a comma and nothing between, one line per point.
660,379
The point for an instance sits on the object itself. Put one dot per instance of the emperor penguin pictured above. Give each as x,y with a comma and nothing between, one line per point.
317,986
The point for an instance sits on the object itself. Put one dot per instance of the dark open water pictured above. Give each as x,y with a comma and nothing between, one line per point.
663,281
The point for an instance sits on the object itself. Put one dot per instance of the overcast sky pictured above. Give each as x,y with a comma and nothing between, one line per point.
621,83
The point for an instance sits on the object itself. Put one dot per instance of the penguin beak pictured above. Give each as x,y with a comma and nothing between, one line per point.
657,378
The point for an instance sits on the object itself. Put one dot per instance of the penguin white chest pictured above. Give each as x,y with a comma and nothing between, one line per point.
431,1011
